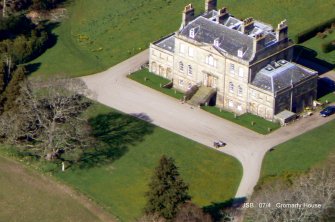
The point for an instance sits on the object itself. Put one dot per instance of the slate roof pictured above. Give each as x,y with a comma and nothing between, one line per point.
230,41
280,75
167,43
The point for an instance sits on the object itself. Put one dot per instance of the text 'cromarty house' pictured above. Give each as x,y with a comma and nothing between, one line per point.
247,62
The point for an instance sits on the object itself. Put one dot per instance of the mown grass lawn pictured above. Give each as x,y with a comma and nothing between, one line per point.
120,186
25,196
247,120
100,34
301,153
156,82
316,43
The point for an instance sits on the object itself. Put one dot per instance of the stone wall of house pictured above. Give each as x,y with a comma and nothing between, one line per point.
161,61
261,102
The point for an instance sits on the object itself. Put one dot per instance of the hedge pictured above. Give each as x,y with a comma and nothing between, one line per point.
312,31
328,46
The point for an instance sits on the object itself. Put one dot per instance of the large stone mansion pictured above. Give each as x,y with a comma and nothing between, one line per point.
247,62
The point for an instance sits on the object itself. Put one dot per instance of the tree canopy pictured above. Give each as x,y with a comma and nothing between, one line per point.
167,190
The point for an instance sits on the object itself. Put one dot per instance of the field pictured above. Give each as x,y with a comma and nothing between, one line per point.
301,153
100,34
260,125
120,186
26,196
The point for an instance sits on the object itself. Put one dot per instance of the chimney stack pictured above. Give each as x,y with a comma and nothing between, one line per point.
248,25
282,31
210,5
259,42
222,15
188,14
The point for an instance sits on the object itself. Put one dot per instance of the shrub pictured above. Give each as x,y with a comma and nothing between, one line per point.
328,46
312,31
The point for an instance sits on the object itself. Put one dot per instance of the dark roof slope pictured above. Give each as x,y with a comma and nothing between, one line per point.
280,75
230,40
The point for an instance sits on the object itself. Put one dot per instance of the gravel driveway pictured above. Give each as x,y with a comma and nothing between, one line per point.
114,89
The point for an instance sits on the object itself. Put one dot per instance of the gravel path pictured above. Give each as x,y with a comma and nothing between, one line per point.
114,89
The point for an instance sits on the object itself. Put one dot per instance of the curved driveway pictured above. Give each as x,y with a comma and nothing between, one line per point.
114,89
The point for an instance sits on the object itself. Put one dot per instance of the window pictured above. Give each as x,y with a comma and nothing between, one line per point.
192,33
239,107
190,52
230,103
232,68
181,82
241,72
153,52
211,61
253,93
182,48
240,53
190,71
189,86
240,91
181,66
231,87
216,42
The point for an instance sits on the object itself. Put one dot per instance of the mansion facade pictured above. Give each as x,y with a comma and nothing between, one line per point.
247,62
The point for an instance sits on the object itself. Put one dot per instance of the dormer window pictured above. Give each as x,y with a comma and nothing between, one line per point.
240,53
192,32
216,42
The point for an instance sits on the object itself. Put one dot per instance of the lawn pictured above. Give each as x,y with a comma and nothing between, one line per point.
301,153
260,125
100,34
26,196
330,97
120,186
156,82
315,44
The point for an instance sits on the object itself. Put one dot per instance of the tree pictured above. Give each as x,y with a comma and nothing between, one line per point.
47,121
13,89
190,212
316,187
167,190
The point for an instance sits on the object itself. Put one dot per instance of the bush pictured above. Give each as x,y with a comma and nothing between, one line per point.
312,31
328,46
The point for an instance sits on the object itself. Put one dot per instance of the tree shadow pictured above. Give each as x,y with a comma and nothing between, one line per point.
218,210
307,57
113,133
142,116
32,67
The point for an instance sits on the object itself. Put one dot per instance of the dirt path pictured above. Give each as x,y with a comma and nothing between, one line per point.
114,89
32,189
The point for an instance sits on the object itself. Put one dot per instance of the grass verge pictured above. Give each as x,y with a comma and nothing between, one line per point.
155,82
120,186
247,120
301,153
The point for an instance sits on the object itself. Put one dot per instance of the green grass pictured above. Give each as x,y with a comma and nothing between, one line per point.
100,34
315,44
260,125
301,153
330,97
120,186
25,196
154,81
